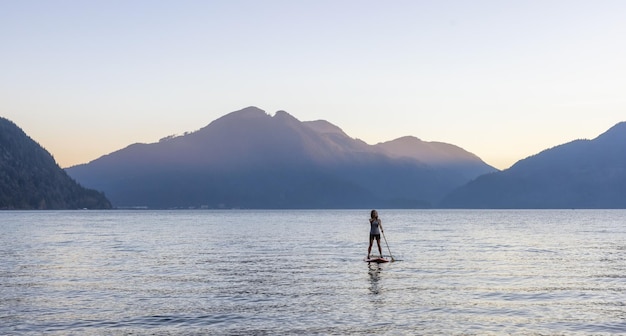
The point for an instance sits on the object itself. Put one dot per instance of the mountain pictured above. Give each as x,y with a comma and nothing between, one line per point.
578,174
447,157
31,179
249,159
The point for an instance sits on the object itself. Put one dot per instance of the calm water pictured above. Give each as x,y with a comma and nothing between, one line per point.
301,272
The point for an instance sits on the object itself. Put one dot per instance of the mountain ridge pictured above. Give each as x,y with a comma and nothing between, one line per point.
578,174
250,159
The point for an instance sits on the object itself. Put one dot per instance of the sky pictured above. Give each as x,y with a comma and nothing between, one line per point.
501,79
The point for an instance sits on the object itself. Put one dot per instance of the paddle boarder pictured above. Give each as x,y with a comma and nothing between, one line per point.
376,228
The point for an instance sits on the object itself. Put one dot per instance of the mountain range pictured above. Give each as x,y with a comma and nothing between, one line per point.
250,159
31,179
579,174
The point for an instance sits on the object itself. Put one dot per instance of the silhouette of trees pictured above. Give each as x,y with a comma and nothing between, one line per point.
31,179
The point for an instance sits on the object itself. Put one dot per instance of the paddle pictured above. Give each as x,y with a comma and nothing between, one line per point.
388,249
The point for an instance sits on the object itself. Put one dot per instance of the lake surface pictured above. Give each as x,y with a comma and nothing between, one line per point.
549,272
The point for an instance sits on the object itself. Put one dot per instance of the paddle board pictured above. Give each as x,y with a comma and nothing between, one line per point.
376,260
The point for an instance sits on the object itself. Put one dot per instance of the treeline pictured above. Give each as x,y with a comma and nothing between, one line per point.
30,178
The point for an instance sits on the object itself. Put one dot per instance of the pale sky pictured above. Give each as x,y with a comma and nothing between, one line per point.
501,79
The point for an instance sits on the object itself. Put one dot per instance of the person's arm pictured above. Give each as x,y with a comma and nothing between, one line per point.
380,223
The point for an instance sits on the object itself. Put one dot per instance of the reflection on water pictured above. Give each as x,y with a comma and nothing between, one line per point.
301,272
374,277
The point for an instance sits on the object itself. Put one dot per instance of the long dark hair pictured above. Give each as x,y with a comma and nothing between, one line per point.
372,214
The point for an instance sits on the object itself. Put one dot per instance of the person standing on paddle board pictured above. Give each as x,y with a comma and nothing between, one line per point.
375,228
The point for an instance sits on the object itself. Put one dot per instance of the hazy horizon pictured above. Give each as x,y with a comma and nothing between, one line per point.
501,80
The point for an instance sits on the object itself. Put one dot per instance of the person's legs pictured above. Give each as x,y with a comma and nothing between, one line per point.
380,250
369,249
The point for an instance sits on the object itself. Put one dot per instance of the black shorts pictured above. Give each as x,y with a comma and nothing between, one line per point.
375,236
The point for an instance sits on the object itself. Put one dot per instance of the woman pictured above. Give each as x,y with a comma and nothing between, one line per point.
376,228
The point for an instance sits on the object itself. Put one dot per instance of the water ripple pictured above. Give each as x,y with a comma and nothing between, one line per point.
301,272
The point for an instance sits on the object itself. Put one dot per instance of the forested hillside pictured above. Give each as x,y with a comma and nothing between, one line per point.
580,174
31,179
